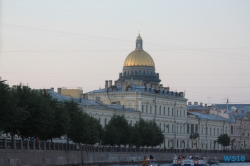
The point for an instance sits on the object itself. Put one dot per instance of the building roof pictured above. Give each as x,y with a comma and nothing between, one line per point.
229,106
88,103
208,116
197,107
134,88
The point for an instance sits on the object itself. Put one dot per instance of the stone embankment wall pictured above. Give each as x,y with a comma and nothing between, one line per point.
71,158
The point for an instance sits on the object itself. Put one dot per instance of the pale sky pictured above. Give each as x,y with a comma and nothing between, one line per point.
200,47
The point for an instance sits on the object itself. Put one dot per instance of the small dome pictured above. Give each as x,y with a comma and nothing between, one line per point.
139,58
138,38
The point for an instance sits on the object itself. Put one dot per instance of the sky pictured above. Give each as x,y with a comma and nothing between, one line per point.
199,47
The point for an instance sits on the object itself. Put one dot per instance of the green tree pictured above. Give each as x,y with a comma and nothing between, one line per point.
78,128
60,122
224,140
146,134
157,134
94,130
117,131
12,116
40,116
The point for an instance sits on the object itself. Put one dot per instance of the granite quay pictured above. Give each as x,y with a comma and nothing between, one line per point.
32,153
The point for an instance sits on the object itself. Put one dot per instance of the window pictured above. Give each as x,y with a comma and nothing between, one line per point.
192,128
180,113
177,113
172,111
142,108
164,111
232,129
217,131
181,129
176,129
187,128
210,130
146,109
168,111
196,128
150,109
172,128
160,110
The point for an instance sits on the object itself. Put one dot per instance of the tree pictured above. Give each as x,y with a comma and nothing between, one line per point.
60,123
94,130
117,131
77,123
146,134
224,140
40,116
12,116
157,134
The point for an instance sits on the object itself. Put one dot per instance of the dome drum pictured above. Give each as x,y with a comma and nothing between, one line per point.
149,71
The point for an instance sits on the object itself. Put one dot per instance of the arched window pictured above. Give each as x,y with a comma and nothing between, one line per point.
125,73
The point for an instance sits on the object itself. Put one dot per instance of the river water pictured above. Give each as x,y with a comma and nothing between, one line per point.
221,164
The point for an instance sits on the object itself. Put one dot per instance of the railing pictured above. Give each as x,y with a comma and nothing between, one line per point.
42,145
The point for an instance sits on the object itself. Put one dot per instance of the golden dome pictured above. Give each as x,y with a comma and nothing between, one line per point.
139,58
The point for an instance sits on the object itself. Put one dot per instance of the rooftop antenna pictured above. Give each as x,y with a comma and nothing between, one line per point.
209,100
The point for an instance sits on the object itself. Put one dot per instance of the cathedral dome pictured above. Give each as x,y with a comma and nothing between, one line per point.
139,57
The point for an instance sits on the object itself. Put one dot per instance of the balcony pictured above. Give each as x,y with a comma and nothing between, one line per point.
194,135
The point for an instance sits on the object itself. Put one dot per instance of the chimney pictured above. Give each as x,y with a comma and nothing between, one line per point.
52,88
110,83
166,88
106,84
59,91
201,104
196,103
115,83
161,87
84,96
189,103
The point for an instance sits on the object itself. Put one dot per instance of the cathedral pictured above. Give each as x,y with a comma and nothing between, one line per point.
138,87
